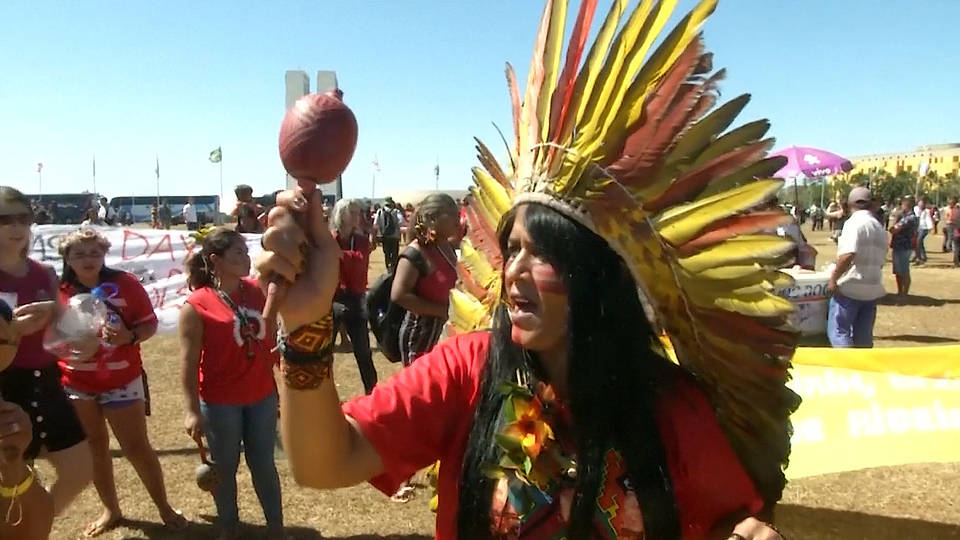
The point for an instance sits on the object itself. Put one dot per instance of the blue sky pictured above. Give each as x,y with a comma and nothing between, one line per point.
131,81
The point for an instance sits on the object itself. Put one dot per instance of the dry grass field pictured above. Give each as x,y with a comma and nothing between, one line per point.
910,502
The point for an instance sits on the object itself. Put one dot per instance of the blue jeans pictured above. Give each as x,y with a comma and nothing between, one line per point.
256,426
850,322
921,251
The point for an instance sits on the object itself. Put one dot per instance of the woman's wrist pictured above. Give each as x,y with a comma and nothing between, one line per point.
307,354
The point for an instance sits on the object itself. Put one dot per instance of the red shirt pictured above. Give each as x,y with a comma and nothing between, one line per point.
35,286
708,480
436,285
227,375
354,263
111,368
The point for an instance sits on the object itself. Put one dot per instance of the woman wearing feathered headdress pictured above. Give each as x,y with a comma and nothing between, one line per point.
628,230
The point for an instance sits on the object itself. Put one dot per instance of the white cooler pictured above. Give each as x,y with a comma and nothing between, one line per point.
809,294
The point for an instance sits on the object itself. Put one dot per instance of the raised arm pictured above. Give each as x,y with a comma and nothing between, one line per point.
325,449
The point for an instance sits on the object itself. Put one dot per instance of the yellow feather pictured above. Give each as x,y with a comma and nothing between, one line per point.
616,72
466,313
494,191
584,86
645,80
485,206
760,304
551,65
479,267
679,224
583,91
740,249
736,294
730,272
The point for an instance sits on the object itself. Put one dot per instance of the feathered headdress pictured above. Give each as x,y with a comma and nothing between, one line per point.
629,144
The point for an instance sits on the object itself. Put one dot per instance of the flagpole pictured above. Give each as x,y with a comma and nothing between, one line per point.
436,175
95,174
157,170
373,183
40,183
219,201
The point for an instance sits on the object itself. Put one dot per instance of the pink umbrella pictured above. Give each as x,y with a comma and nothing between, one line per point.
808,162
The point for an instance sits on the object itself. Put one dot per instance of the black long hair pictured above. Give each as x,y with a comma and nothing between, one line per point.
199,265
615,372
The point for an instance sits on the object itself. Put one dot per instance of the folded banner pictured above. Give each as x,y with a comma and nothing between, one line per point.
875,407
156,257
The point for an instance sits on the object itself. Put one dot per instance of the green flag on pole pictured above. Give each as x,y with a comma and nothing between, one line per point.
216,155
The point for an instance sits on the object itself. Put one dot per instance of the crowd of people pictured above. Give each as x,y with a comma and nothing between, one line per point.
862,243
227,349
229,352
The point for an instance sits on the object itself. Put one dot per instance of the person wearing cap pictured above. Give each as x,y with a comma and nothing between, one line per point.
903,231
856,281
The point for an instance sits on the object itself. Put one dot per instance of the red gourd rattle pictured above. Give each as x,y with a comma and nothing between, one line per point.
317,139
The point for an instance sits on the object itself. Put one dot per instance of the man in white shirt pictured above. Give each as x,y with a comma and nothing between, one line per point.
189,214
856,281
106,213
924,226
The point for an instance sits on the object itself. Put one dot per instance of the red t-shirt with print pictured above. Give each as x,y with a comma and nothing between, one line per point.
35,286
111,368
228,376
442,388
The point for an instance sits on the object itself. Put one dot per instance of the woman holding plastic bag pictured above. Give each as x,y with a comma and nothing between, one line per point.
110,386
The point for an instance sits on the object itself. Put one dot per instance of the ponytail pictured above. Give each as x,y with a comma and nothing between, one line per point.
199,265
424,220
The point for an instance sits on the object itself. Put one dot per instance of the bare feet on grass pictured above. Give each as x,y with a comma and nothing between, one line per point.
108,520
173,519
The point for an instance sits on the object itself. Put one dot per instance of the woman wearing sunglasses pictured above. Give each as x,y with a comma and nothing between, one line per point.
33,379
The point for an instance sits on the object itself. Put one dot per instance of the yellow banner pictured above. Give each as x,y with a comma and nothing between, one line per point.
940,361
858,418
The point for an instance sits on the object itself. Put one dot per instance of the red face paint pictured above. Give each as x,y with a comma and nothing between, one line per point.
546,279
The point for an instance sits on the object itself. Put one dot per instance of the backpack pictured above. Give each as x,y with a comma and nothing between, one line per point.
389,223
385,317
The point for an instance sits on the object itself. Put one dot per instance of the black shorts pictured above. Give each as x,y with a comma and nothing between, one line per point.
39,393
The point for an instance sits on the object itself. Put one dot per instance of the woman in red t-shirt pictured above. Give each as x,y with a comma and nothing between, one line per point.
638,451
348,308
109,387
227,355
33,379
426,272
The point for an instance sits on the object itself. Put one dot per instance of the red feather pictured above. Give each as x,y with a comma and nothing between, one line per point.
687,187
562,94
514,104
733,226
735,324
531,98
490,164
484,239
667,105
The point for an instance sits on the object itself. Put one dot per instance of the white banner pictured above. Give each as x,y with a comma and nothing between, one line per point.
156,257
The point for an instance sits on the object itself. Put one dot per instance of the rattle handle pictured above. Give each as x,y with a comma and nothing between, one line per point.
203,452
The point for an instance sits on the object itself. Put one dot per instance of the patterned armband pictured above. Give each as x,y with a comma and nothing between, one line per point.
307,354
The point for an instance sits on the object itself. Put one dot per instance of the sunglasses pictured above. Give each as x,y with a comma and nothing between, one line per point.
10,219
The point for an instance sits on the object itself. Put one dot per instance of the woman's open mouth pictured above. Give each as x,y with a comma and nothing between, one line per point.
522,311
